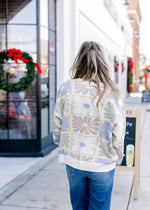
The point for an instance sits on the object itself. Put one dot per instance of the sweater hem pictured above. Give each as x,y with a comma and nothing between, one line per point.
86,166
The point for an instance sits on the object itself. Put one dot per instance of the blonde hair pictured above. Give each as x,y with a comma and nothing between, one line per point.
91,60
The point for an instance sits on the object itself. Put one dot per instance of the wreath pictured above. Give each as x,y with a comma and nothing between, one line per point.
25,81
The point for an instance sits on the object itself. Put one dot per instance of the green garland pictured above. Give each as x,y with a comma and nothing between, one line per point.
116,64
129,77
25,82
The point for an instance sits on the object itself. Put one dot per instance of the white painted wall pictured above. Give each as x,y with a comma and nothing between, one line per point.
81,20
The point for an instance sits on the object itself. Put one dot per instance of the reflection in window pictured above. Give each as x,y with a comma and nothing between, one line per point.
2,37
52,60
44,13
3,121
52,82
44,115
22,119
52,105
30,93
3,95
44,68
23,38
18,116
2,11
44,87
21,11
44,64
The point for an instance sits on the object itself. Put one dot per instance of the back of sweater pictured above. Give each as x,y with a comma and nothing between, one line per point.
89,138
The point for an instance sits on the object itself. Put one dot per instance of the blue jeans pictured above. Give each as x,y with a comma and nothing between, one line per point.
90,190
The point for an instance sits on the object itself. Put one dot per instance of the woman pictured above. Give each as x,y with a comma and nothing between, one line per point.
89,127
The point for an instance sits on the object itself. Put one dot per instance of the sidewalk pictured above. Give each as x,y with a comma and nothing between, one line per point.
41,183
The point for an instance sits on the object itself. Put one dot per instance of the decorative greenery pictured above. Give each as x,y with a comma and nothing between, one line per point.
25,82
116,65
130,75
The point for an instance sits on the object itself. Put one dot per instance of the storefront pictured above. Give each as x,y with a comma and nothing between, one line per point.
26,116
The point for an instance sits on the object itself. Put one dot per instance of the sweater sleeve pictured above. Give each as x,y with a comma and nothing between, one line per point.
57,118
58,111
118,132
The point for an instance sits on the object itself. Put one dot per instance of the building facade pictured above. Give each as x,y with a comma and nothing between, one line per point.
51,31
134,15
25,117
105,21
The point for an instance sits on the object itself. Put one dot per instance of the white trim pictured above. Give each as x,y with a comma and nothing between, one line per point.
106,35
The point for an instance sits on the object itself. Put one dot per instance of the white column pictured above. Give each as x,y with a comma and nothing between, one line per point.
67,38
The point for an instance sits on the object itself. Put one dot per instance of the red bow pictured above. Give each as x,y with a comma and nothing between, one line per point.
117,67
16,54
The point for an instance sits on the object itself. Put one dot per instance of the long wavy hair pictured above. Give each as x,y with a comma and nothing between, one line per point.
91,63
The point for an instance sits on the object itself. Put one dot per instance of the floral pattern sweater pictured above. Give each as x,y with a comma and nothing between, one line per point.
89,138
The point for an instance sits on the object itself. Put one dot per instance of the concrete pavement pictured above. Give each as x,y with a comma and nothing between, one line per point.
44,184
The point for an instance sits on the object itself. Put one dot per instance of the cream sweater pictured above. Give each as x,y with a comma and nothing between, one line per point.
89,138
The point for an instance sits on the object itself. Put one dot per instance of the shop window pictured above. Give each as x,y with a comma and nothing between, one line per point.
13,73
28,115
22,12
2,37
44,45
45,73
2,11
23,37
22,119
44,13
52,82
3,95
45,117
52,60
3,121
52,105
30,93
